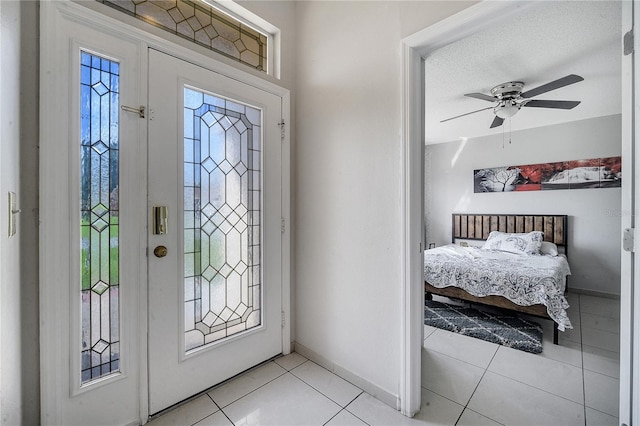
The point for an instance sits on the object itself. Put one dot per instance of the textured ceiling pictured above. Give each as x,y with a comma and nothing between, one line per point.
546,41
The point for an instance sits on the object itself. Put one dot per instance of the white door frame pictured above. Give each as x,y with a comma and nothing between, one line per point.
414,48
104,17
630,262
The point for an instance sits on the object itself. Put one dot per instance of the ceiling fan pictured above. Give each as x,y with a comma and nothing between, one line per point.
509,98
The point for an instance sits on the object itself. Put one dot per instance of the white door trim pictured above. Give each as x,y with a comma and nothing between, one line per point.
414,48
630,262
52,339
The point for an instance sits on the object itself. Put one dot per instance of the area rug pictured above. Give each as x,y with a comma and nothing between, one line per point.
503,329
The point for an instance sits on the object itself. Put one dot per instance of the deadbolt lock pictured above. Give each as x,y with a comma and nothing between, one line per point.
160,251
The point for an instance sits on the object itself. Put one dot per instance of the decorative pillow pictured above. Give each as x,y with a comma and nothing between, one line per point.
549,248
515,243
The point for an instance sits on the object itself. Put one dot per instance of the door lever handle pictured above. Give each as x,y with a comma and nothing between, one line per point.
160,220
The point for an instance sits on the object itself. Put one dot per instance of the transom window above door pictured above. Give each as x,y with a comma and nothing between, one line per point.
203,24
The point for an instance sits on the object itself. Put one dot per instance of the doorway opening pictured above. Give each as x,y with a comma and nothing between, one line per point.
422,45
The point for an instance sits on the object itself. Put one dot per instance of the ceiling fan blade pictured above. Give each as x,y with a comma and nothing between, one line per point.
497,122
556,84
462,115
552,104
481,96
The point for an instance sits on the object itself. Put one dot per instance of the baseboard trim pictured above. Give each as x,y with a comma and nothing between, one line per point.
594,293
374,390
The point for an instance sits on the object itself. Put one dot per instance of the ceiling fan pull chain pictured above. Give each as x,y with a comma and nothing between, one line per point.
509,130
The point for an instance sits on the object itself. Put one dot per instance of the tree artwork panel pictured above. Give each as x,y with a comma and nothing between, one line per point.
574,174
497,179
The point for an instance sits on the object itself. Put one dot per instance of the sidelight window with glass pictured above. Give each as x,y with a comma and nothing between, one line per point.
99,223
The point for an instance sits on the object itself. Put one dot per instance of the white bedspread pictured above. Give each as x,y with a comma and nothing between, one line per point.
523,279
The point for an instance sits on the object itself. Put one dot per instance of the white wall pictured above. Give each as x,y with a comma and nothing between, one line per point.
282,15
19,355
348,231
594,222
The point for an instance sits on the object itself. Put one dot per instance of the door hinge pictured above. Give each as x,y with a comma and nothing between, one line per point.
282,317
139,111
282,127
627,43
282,225
628,239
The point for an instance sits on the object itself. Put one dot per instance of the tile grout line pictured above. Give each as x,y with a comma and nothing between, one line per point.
499,346
501,375
466,405
537,388
298,378
480,414
353,414
259,387
554,360
461,360
219,409
583,369
508,378
584,388
211,389
345,409
322,393
441,396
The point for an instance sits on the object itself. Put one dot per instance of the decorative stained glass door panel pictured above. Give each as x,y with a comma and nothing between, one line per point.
222,152
215,163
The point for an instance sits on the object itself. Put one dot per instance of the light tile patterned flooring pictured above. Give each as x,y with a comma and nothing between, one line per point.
465,382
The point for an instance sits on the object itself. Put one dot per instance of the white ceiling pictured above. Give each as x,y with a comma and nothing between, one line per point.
546,41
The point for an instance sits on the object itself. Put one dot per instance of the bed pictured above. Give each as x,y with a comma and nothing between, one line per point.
533,284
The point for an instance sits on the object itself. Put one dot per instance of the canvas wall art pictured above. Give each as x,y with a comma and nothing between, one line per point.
576,174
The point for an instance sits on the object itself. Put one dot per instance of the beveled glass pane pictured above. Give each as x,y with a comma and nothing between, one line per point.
99,224
203,25
220,219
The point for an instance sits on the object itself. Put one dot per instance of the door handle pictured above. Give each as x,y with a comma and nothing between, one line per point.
160,220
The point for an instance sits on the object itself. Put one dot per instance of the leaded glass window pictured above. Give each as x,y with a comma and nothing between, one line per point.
202,24
222,161
99,245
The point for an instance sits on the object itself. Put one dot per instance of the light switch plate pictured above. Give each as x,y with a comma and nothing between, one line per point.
13,211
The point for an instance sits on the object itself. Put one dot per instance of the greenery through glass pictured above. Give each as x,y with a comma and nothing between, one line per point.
99,226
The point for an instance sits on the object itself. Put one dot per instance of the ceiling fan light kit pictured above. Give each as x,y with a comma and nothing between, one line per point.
506,109
509,98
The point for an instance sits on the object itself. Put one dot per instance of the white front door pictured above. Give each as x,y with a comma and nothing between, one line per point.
214,261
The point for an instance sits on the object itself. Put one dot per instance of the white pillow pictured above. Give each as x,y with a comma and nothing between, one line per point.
549,248
515,243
